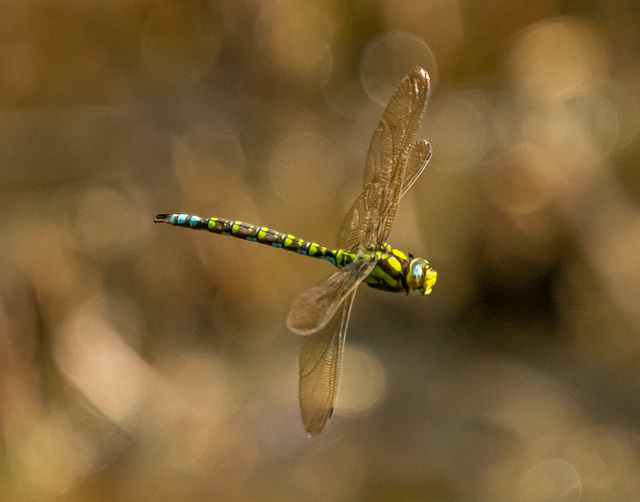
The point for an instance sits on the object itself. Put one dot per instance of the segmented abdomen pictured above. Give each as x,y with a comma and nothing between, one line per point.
256,233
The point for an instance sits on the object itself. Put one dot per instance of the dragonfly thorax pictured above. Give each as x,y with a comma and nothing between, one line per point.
396,272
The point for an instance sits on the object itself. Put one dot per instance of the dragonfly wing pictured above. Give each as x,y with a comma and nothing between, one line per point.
313,310
417,160
398,126
389,153
393,161
320,366
362,215
355,231
419,157
323,311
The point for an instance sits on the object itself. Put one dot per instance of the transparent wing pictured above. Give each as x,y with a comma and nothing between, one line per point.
417,160
369,220
419,157
320,366
398,126
357,227
322,312
315,307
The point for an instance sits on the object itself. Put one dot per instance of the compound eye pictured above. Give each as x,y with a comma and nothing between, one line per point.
416,271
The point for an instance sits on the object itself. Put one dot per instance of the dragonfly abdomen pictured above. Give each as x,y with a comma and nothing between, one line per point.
257,233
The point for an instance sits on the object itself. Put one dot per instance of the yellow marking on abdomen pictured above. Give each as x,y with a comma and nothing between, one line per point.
289,240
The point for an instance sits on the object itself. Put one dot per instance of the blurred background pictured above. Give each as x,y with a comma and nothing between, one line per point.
142,362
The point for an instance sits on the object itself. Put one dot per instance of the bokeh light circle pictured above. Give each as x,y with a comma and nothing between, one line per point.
558,58
364,381
387,59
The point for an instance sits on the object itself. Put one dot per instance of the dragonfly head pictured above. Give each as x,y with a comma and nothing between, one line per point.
421,276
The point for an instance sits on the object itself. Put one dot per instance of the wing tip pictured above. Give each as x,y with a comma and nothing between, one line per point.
424,147
316,425
300,329
420,72
420,81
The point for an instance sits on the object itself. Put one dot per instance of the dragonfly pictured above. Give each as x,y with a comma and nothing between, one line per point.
321,313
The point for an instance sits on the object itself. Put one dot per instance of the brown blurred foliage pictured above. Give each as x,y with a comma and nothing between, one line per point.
140,362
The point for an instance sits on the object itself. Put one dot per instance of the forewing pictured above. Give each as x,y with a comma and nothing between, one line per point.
315,307
320,366
323,311
417,160
419,157
388,156
355,231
